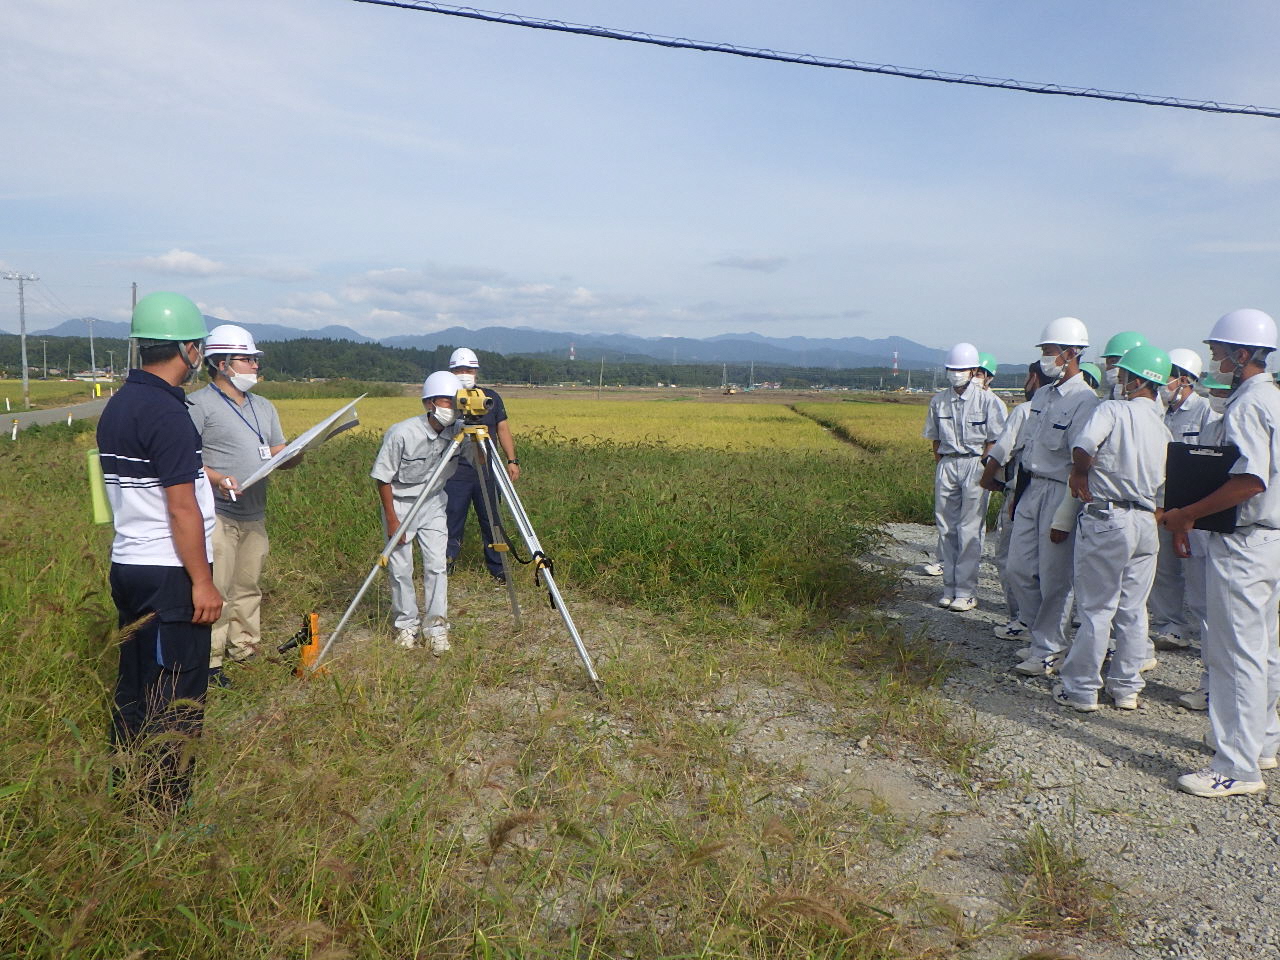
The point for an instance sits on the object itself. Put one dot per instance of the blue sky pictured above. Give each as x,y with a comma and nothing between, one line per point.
321,161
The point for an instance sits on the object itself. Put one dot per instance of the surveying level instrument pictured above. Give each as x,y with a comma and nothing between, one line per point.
474,439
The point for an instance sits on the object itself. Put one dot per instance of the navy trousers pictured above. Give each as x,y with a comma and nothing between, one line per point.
158,708
463,490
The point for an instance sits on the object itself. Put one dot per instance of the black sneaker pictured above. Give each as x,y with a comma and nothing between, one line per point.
217,678
499,579
448,567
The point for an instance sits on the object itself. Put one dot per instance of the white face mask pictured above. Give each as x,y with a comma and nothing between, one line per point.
1170,393
1218,404
959,378
1051,368
468,380
444,415
243,381
1111,377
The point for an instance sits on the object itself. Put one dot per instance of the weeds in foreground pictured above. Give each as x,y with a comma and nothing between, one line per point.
1053,889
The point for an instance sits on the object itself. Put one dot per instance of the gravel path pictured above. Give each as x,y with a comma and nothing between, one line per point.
1203,876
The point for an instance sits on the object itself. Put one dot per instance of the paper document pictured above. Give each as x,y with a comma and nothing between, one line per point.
329,427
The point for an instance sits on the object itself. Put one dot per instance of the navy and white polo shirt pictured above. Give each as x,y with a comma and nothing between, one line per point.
147,442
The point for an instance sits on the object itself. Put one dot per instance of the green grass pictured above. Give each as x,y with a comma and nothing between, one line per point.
46,393
329,389
1053,889
487,804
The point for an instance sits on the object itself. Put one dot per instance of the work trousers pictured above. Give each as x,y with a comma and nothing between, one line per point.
959,511
431,533
158,706
1115,563
239,552
1242,649
1196,573
1041,572
1174,585
1004,533
463,490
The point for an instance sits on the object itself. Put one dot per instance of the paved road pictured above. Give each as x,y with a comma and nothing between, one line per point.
31,418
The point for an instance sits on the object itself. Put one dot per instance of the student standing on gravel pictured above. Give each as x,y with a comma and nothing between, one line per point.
410,452
463,489
1042,570
161,577
238,433
1242,586
1001,474
963,421
1186,413
1115,486
1198,540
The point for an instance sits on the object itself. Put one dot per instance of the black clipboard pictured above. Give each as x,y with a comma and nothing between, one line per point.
1193,472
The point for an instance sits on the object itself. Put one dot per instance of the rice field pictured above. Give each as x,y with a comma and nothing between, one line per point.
487,805
46,393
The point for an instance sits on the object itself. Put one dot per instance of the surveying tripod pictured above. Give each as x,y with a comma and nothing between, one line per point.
479,448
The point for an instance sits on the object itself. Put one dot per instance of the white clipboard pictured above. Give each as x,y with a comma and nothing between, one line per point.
326,429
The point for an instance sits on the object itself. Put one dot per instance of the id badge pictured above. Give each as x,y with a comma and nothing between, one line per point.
264,452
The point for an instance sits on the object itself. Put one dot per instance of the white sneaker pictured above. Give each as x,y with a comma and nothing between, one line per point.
440,644
406,638
1209,783
1022,653
1196,700
961,604
932,569
1169,641
1061,698
1013,630
945,602
1035,667
1125,701
1148,665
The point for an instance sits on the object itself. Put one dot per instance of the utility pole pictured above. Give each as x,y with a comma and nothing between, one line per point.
600,382
111,371
23,278
44,351
93,365
133,341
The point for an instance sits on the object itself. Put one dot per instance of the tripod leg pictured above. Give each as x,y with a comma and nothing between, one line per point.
428,489
482,463
525,527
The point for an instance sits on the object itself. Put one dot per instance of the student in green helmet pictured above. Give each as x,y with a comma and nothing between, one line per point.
1116,348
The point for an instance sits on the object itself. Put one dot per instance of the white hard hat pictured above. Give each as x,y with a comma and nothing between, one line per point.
442,383
963,356
1246,328
1187,360
462,357
1065,332
228,338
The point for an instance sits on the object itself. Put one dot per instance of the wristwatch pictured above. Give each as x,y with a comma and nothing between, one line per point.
516,462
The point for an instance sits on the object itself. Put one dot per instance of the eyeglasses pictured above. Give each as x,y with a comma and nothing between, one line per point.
256,361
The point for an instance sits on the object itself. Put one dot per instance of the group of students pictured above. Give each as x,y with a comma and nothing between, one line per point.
1082,466
190,543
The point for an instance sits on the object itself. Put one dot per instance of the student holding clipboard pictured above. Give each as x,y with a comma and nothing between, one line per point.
1241,645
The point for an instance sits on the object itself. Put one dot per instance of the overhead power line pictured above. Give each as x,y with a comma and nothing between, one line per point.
810,60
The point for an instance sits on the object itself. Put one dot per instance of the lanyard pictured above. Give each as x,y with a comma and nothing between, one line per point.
234,406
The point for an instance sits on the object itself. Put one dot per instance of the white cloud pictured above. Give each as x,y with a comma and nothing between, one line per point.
181,263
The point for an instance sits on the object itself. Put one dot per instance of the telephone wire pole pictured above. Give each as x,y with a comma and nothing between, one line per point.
23,278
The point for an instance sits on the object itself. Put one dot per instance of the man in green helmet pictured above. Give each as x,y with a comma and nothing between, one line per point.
161,573
1117,347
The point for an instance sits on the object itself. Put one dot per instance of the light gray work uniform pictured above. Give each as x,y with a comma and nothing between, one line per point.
410,451
1242,588
1116,544
1041,571
1007,451
962,424
1168,615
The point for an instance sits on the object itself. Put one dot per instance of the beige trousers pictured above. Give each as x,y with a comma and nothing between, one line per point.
239,550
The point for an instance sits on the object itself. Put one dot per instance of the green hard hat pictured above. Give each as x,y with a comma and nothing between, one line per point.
1091,371
988,363
1149,363
167,316
1121,343
1210,381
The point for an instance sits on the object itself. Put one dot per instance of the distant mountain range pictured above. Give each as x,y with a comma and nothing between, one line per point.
836,353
